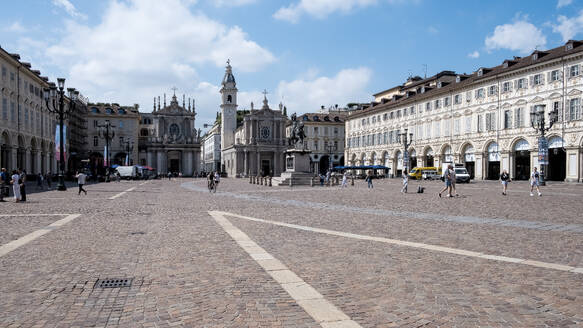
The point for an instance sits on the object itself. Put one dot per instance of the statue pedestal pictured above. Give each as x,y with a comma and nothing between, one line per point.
297,169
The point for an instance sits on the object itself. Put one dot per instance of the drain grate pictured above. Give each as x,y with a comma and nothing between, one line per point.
137,233
114,282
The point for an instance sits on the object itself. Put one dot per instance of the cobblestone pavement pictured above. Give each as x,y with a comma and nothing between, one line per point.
191,269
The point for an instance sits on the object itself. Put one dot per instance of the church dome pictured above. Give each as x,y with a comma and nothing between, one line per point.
229,77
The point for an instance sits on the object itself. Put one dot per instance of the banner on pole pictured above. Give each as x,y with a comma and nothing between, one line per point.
58,142
543,151
105,156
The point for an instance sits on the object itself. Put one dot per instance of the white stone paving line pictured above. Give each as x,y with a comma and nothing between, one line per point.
9,247
457,251
321,310
121,193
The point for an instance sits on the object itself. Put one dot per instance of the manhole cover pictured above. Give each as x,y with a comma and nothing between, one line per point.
114,282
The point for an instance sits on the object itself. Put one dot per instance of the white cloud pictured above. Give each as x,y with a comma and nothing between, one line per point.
563,3
15,27
474,54
569,27
319,8
520,36
232,3
69,8
141,48
432,30
303,95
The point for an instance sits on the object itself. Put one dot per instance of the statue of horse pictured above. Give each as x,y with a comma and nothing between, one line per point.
297,132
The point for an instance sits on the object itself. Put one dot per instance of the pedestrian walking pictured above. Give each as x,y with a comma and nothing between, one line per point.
39,181
217,179
405,182
504,178
344,180
16,185
81,177
534,182
453,190
3,187
447,179
368,179
23,185
328,175
169,176
49,178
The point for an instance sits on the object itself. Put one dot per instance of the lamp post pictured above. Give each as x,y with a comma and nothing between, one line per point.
406,139
106,132
55,101
537,121
129,149
331,149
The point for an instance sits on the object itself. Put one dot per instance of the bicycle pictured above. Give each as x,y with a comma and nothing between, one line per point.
212,186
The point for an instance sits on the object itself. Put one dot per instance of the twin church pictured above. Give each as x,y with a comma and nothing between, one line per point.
252,143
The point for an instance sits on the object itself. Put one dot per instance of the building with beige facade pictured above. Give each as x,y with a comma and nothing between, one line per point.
324,138
27,129
124,122
481,120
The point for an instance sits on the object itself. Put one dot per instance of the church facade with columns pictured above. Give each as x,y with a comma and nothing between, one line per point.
168,140
251,144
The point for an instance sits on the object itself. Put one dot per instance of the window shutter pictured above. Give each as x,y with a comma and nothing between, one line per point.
542,79
517,118
516,84
531,81
560,75
561,111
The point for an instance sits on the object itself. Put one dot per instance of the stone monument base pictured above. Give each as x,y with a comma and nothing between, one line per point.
297,169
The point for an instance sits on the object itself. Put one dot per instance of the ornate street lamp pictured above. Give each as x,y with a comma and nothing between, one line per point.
129,150
106,132
55,101
537,121
331,149
406,139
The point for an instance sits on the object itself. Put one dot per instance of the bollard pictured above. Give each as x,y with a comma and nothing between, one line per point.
250,179
352,183
312,182
261,181
290,181
270,181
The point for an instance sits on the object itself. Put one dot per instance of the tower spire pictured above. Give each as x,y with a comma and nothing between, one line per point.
154,104
183,101
164,99
158,102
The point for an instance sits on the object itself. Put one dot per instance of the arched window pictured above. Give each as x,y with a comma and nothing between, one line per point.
109,110
229,99
144,132
121,111
94,110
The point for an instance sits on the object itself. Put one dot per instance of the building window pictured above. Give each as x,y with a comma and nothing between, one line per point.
25,117
457,99
519,117
428,106
335,131
555,76
574,71
446,101
492,90
507,119
480,123
537,79
575,109
437,129
490,121
315,130
4,108
412,110
391,115
456,126
468,124
95,141
95,123
559,110
121,141
385,141
506,87
437,103
374,119
336,145
428,130
480,93
385,116
468,96
521,84
315,144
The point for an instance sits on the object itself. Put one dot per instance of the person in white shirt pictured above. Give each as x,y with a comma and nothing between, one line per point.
217,179
16,185
534,182
405,181
81,177
344,180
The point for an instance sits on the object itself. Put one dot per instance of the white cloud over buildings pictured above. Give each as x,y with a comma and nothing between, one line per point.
519,36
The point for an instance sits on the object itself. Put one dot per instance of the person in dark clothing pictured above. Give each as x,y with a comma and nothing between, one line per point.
505,178
23,185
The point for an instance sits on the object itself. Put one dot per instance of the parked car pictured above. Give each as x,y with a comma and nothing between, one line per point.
127,172
430,175
461,175
417,172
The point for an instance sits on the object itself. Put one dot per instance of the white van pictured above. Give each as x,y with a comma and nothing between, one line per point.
127,172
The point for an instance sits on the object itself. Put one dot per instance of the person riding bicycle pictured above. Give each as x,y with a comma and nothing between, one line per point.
217,178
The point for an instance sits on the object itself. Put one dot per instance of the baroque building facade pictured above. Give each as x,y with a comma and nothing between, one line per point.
324,138
26,127
481,120
256,146
168,140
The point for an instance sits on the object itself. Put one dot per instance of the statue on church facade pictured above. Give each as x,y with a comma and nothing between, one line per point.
297,132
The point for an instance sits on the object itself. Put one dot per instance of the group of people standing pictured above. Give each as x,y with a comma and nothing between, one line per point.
17,180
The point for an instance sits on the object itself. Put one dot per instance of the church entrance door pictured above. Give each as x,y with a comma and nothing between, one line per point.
265,167
174,161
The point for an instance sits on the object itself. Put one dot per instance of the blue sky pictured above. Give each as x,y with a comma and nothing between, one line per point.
306,53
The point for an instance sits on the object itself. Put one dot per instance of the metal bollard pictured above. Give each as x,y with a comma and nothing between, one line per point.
290,181
352,183
250,179
261,181
270,181
312,182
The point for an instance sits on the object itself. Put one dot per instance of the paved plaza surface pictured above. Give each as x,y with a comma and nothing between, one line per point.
258,256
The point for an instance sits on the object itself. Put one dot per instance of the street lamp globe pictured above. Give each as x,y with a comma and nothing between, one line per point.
61,82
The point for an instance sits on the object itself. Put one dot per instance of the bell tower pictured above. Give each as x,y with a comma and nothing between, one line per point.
228,108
